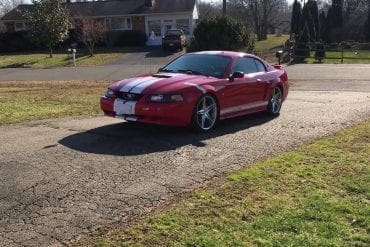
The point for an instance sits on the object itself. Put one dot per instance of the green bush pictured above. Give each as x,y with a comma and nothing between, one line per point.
319,51
126,38
221,33
16,41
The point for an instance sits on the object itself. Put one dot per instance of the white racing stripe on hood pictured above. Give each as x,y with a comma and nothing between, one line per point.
139,88
140,84
133,83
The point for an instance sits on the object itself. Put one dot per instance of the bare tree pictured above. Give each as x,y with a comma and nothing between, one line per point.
262,13
207,10
90,31
8,5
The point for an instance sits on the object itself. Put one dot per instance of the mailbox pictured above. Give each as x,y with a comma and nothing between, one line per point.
279,54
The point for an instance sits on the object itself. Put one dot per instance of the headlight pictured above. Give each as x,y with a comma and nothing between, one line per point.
165,98
110,93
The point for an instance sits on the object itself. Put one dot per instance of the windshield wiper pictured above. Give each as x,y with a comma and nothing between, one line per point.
189,71
166,70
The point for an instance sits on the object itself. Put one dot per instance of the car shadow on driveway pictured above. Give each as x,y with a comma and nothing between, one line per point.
128,139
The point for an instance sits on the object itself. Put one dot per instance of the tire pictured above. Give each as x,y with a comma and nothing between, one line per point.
204,120
275,102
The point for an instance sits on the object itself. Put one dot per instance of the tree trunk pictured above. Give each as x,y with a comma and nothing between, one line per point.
50,51
91,49
224,7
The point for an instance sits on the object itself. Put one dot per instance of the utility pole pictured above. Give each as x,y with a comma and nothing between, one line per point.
224,7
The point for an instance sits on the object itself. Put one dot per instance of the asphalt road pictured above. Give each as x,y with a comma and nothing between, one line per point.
62,179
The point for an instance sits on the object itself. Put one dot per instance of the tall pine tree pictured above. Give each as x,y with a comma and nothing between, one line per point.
337,17
323,26
314,9
296,18
307,21
367,24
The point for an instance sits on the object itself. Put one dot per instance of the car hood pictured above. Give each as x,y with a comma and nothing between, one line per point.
159,83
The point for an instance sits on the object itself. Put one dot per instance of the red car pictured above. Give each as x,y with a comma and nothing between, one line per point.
199,89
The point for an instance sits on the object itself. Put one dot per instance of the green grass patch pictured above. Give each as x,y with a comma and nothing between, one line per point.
42,60
271,42
318,195
350,56
25,101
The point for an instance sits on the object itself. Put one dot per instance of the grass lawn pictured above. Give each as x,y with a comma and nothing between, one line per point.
272,42
318,195
361,57
25,101
42,60
266,48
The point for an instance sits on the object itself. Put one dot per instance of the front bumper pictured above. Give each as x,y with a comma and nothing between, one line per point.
169,114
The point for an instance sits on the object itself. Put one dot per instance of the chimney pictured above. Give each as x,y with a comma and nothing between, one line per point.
149,3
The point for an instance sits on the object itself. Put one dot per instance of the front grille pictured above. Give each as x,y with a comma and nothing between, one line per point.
129,96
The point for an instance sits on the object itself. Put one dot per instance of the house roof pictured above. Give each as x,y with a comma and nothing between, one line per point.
112,8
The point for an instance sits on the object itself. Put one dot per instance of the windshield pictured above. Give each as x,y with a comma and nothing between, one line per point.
202,64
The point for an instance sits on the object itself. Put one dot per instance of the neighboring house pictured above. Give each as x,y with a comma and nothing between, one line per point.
154,17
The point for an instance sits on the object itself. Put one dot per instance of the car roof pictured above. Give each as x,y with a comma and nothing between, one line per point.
233,54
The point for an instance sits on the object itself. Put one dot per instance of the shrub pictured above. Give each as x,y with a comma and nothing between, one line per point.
319,51
221,33
126,38
16,41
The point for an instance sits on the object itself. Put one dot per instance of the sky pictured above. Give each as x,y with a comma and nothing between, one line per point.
210,1
218,1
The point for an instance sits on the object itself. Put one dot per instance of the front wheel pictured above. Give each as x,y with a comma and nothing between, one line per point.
205,113
275,102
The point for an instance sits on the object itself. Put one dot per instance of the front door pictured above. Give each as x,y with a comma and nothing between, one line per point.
167,25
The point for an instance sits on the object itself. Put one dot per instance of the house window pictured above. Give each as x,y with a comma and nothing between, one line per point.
20,26
121,23
27,26
155,26
184,25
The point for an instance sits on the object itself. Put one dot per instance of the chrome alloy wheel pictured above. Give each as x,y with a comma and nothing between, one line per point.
206,112
276,101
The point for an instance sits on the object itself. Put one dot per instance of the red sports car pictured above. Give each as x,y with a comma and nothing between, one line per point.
199,89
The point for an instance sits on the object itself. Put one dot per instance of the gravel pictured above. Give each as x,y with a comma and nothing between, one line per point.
63,179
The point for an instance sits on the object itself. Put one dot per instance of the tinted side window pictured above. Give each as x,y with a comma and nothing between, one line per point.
246,65
260,66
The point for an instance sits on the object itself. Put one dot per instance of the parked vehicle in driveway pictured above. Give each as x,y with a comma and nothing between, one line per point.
174,39
199,89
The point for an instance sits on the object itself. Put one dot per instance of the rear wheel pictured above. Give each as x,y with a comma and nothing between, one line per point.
205,113
275,102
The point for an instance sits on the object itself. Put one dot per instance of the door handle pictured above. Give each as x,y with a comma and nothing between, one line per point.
259,80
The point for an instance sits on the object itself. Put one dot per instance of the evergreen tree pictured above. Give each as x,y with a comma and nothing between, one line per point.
367,24
323,26
302,48
314,9
337,17
296,17
307,20
329,24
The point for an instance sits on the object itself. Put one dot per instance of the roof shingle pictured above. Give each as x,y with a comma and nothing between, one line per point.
112,8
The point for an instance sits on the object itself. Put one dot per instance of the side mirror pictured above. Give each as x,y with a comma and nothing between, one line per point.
160,70
236,74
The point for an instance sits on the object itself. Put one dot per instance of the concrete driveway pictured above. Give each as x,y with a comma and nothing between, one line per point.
134,61
63,179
